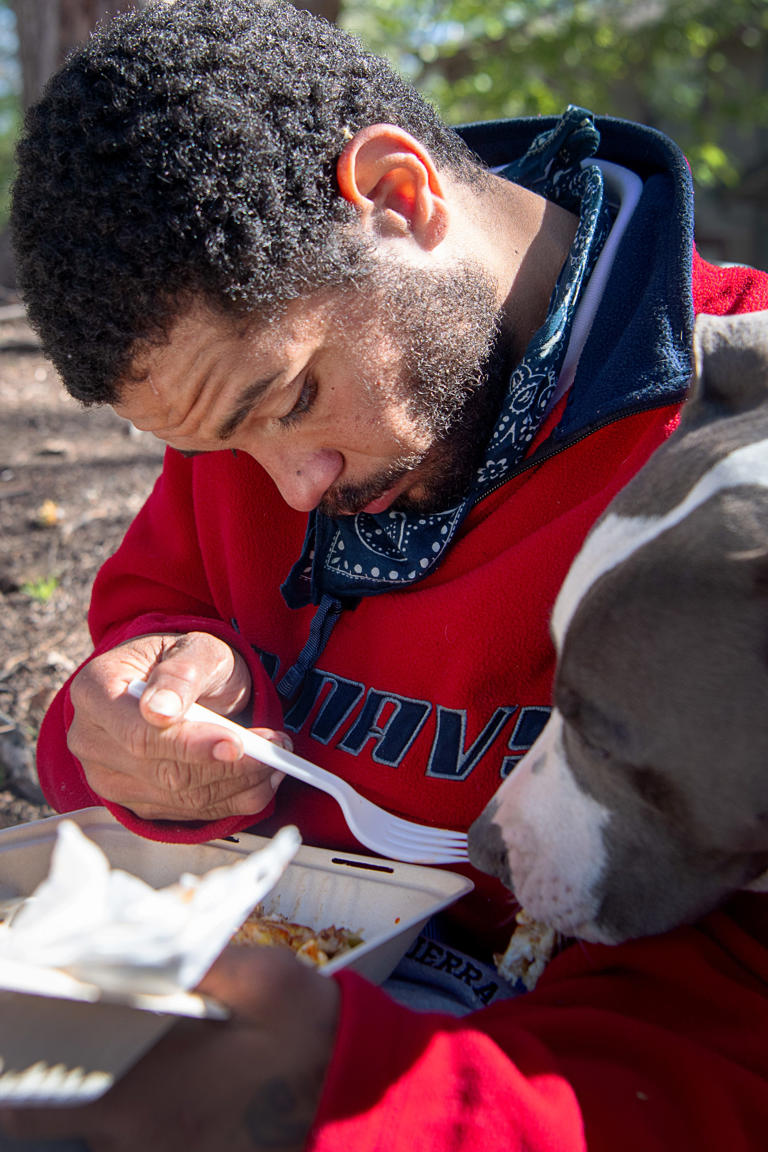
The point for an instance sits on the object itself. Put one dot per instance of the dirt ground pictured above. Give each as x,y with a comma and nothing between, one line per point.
71,481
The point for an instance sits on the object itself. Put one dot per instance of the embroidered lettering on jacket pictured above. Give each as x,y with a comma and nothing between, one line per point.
348,715
431,954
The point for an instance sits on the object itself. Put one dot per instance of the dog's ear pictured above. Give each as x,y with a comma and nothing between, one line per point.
731,357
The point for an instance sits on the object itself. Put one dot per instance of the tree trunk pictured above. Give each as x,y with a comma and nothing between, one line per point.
48,29
330,9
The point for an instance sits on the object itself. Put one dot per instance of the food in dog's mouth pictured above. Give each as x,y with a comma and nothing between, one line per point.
530,949
313,946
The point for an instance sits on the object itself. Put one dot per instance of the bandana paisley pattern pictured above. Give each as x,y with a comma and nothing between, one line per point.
351,556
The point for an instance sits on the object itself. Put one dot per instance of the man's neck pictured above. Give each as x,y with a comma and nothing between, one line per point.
523,239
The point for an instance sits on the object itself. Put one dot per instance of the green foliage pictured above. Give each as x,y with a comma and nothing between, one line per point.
9,105
693,68
42,589
9,125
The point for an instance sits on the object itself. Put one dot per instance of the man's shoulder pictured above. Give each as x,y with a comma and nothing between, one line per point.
724,290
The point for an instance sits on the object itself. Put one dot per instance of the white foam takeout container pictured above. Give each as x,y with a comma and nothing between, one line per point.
65,1042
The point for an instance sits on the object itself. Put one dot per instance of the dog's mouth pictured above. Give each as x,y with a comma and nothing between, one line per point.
486,846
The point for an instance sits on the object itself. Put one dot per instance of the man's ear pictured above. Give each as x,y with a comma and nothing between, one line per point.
391,180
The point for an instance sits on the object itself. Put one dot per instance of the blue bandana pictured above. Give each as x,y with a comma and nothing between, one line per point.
347,557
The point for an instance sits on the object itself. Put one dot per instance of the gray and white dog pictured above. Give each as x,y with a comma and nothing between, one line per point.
644,802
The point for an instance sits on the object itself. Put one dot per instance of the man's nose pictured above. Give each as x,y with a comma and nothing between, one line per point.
303,480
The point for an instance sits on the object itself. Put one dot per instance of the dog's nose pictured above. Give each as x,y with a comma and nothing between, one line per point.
487,850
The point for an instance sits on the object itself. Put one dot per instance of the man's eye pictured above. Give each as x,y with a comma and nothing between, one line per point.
304,403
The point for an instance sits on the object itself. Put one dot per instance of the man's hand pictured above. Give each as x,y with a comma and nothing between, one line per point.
142,755
252,1082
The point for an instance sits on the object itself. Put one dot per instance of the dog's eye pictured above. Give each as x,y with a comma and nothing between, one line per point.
654,788
583,722
568,703
575,737
596,749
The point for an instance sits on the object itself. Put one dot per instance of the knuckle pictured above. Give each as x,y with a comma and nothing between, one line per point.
80,688
73,738
140,741
179,673
196,648
190,790
174,777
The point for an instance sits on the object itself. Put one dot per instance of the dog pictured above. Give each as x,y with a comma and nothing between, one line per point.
643,804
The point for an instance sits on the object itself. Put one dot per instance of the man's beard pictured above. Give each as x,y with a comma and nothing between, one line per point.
455,373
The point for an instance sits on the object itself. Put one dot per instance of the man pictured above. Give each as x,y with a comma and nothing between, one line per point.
433,371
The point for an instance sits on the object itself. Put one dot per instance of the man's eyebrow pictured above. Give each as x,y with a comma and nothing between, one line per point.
244,404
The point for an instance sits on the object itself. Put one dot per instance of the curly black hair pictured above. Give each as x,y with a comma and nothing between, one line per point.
186,150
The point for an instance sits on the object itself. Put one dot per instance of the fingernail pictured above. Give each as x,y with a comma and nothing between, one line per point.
165,703
283,740
275,780
226,752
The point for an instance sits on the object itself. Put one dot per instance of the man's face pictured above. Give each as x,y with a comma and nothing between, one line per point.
355,399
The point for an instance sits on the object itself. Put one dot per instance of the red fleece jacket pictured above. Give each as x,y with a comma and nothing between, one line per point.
658,1045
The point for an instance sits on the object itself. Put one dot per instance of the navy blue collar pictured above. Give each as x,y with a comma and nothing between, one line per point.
638,354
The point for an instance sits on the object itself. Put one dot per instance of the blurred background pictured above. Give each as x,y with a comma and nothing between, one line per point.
696,69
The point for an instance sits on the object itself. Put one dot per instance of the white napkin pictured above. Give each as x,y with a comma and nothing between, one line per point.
109,928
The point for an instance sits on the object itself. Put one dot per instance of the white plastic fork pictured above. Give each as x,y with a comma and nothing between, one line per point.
379,830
